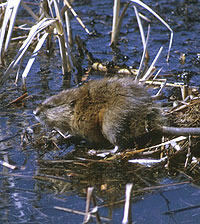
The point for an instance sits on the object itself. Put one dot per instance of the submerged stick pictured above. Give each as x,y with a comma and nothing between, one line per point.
172,212
87,213
98,218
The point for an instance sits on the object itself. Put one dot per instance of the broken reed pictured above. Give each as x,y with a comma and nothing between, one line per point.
53,19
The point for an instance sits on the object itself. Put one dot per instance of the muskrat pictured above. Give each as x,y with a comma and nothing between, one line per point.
114,110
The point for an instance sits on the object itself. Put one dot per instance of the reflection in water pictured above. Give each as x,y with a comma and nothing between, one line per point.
60,178
74,172
108,177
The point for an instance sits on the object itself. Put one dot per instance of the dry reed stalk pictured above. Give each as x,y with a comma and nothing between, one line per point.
188,155
77,17
8,20
127,219
148,74
161,20
88,200
33,32
143,55
116,9
151,149
117,21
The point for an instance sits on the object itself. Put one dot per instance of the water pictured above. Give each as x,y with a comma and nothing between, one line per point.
29,194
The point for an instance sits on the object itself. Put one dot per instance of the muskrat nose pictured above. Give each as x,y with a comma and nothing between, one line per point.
36,111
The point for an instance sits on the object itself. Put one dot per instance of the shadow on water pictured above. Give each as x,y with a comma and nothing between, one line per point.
48,178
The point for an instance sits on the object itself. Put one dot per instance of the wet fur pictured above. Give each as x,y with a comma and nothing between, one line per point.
115,110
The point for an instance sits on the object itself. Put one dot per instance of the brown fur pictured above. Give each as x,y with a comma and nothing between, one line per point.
115,110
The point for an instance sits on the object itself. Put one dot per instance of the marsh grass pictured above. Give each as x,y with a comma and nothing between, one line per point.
52,20
48,22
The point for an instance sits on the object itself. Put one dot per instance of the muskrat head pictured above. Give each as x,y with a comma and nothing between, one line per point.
57,111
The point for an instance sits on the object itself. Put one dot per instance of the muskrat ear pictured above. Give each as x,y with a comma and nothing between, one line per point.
72,103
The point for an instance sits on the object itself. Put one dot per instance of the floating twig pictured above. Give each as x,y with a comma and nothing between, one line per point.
131,153
3,163
159,82
78,212
147,162
185,105
22,97
10,137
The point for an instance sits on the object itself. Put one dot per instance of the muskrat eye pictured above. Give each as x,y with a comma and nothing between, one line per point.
72,103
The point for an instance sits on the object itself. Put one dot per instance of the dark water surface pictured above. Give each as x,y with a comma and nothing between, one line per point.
29,194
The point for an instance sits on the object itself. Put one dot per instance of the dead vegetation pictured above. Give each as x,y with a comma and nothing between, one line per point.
109,175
